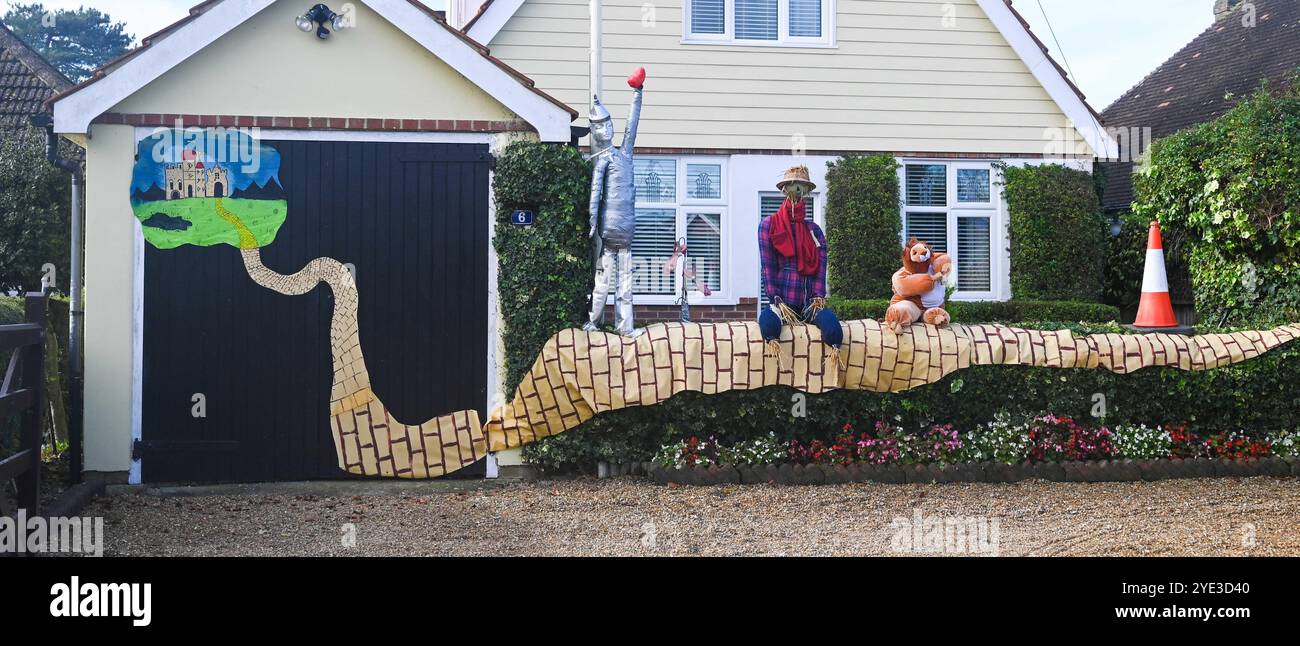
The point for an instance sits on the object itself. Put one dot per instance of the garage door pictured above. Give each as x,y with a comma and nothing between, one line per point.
236,377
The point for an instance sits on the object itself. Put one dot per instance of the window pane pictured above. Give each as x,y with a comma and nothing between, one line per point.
756,19
704,244
708,16
806,18
930,228
704,181
769,203
656,235
656,180
927,185
973,185
974,269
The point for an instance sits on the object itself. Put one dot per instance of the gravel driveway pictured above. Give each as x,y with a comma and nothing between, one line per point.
630,516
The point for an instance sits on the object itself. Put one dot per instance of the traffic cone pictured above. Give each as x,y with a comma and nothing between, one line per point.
1155,309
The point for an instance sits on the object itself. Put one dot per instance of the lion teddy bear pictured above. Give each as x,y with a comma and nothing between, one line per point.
919,288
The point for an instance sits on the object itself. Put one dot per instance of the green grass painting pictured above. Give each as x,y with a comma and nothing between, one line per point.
196,221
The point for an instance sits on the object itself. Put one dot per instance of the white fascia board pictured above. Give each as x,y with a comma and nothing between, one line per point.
550,120
72,115
490,23
1087,125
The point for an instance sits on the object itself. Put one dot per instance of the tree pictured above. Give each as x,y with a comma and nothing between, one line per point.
77,42
34,218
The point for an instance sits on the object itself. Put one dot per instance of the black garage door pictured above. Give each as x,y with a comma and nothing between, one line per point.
412,219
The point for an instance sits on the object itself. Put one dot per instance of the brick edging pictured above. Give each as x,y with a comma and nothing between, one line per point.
312,123
1094,471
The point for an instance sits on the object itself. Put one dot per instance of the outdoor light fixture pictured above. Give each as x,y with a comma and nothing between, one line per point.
317,17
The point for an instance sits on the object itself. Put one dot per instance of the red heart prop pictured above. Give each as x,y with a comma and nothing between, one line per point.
637,79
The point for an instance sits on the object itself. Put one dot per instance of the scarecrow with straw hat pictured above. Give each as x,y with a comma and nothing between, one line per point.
793,252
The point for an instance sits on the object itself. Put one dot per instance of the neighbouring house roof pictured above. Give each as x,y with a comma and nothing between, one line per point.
492,15
1205,79
447,43
27,80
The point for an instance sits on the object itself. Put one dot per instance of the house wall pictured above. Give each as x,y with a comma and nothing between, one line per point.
111,235
895,79
266,68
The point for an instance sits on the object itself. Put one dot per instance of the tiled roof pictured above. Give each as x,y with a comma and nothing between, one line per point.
1206,78
26,81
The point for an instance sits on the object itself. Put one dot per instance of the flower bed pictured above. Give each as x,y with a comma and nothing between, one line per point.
1050,447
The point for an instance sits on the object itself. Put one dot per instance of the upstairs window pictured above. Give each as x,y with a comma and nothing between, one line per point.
759,22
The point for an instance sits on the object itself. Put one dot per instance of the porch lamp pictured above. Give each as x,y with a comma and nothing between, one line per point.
317,17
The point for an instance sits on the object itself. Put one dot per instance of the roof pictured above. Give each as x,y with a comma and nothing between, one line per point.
27,80
198,11
492,15
1205,79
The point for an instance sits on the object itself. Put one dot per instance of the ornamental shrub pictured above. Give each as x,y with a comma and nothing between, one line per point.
545,270
863,225
1058,233
1232,187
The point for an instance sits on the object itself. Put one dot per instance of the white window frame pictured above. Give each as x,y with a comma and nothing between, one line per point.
783,37
955,211
684,205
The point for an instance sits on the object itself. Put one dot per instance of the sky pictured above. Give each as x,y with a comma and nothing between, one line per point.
1109,44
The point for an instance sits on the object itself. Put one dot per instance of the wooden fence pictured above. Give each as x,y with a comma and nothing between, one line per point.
21,394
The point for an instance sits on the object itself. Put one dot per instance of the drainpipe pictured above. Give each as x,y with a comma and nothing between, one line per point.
76,309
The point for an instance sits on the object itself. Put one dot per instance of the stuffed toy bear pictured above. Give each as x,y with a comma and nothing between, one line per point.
919,288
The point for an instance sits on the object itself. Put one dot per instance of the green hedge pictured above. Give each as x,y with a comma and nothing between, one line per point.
1258,396
863,225
1231,188
1058,233
988,311
546,269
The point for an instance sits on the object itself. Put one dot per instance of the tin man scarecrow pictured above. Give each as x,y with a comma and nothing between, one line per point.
613,211
792,249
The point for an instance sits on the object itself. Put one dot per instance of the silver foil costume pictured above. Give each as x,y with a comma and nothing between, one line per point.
613,215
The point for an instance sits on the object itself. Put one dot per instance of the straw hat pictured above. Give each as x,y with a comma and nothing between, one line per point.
796,174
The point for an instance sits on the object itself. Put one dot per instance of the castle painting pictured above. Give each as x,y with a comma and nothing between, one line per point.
207,187
192,178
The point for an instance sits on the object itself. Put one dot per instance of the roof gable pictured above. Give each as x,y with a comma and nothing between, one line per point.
493,15
162,52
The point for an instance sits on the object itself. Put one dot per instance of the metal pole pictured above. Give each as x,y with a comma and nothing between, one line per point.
597,54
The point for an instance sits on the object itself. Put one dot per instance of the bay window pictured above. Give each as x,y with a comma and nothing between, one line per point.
950,206
679,199
759,22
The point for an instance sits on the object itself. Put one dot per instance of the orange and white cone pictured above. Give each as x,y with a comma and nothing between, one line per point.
1155,309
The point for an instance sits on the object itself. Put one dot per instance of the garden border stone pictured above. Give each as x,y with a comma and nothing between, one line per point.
1125,470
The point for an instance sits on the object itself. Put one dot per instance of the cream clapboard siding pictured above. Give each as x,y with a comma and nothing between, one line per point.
895,80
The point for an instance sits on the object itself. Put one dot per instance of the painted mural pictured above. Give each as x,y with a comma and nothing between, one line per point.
209,188
188,184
